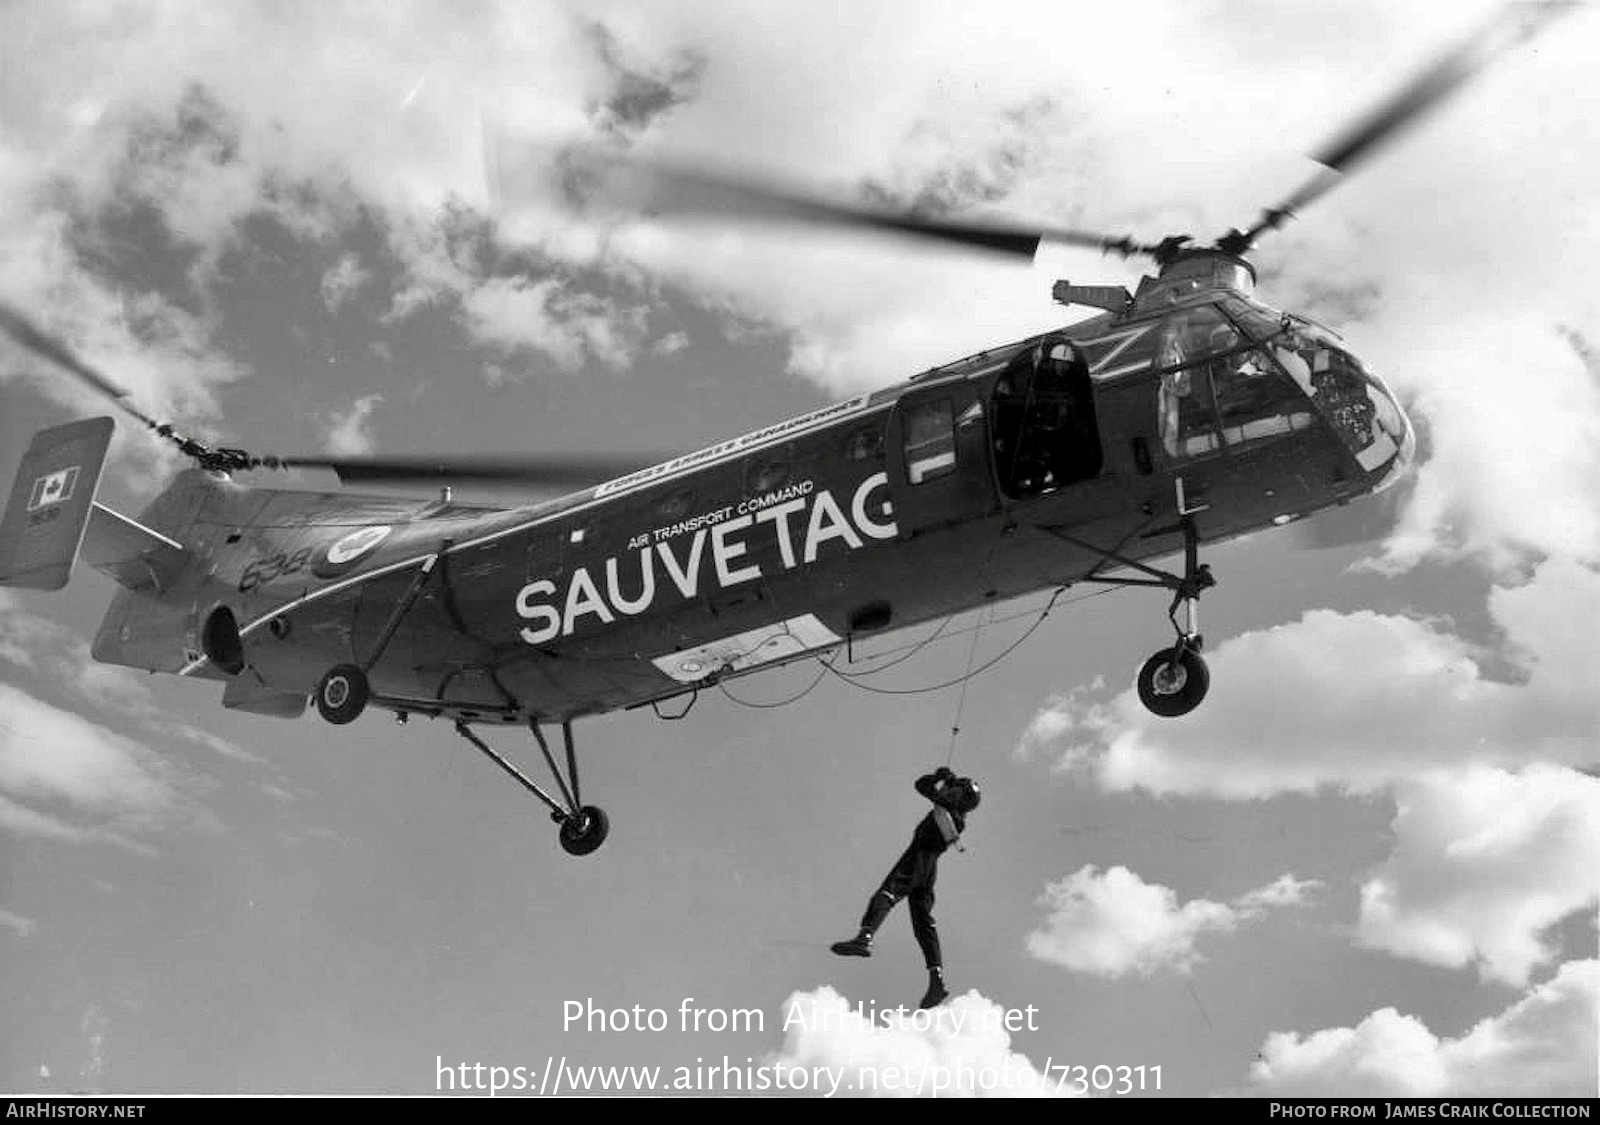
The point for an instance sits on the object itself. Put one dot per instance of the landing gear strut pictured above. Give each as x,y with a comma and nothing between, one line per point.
1174,680
583,827
344,691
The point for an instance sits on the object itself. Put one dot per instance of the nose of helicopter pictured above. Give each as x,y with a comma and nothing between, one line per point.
1406,447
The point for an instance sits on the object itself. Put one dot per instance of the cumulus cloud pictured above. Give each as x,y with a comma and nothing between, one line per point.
960,1049
146,117
1377,699
642,89
17,924
349,432
343,280
49,755
61,660
1285,890
162,354
1483,863
1494,836
670,344
1543,1045
552,318
382,112
65,776
1505,483
1115,924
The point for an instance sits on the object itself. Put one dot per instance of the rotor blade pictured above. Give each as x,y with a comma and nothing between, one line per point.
552,470
676,191
695,193
28,335
1510,26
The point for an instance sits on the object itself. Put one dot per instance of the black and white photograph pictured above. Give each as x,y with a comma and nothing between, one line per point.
602,548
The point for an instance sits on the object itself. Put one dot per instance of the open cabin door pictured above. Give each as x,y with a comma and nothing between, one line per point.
939,464
1045,423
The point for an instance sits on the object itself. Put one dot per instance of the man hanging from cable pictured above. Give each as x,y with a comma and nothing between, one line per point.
914,873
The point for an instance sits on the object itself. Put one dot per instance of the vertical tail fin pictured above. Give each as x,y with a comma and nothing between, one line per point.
49,506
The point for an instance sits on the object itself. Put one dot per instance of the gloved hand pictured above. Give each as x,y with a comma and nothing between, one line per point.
944,773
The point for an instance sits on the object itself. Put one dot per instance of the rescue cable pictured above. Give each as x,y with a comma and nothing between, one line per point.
961,700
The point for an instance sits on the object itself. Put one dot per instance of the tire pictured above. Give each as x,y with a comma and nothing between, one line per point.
1171,689
585,832
342,694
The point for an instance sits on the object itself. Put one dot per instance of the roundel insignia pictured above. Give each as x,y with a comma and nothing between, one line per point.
340,555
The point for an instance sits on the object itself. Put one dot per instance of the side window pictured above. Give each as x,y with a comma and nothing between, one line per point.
930,441
1185,402
1254,401
1188,413
1193,334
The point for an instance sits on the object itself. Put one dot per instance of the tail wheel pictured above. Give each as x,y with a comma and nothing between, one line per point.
1173,682
584,832
342,694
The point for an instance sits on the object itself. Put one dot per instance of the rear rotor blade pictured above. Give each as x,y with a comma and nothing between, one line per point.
551,471
1509,27
30,336
664,189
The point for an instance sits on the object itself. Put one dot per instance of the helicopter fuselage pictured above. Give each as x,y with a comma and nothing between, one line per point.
1063,457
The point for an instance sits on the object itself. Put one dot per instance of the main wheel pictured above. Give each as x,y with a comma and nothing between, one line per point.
342,694
1169,687
583,833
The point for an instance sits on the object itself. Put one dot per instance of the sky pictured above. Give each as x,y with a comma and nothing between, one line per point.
1366,865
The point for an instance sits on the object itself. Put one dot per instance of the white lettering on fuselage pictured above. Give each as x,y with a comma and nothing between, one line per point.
700,458
630,584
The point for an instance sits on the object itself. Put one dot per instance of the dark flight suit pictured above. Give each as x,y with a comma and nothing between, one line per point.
914,873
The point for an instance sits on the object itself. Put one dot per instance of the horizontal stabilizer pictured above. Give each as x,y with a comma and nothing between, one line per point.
131,553
50,502
246,692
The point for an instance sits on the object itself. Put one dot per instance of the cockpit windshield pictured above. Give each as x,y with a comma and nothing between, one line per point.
1223,390
1355,403
1237,374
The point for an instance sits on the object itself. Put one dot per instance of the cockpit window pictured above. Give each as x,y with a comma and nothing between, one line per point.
1188,413
1254,400
1358,408
1225,393
1239,372
1260,322
930,441
1193,334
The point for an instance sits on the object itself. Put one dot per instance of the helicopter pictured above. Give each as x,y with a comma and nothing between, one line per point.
1182,414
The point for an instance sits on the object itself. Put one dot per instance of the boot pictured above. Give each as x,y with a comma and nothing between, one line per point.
858,946
937,993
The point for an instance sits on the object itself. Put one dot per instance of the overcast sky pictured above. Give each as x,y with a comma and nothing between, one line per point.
1367,864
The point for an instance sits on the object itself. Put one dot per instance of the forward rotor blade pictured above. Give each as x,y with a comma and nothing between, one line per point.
676,191
1509,27
552,470
30,336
